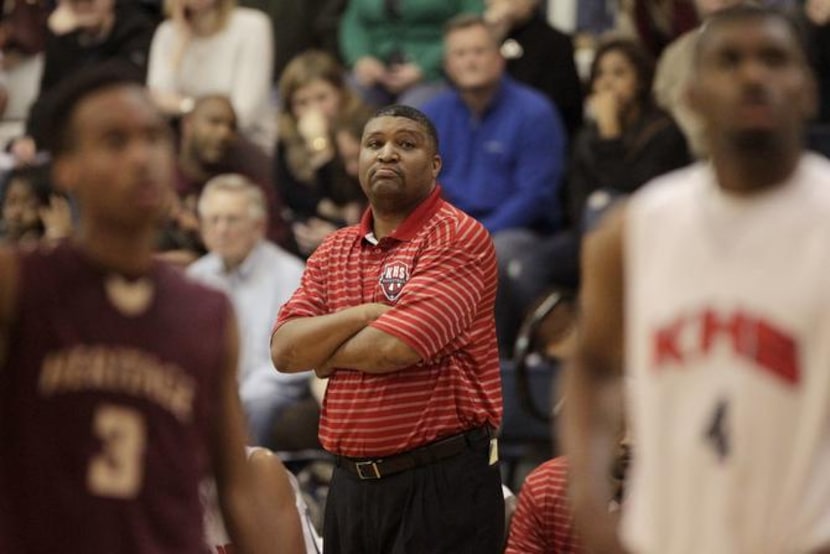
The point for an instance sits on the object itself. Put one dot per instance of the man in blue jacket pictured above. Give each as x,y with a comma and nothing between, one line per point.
503,146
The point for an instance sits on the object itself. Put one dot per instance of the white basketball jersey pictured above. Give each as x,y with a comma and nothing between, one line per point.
728,350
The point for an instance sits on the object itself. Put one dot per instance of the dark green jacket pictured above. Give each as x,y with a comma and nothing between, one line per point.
416,36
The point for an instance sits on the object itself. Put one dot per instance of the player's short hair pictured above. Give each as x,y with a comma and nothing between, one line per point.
749,11
238,184
408,112
61,102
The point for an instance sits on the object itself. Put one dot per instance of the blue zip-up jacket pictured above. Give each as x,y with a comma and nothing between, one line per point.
505,168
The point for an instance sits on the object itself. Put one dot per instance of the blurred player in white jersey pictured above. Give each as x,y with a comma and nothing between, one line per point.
711,289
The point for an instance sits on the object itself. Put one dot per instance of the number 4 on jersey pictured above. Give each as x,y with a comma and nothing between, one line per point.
717,433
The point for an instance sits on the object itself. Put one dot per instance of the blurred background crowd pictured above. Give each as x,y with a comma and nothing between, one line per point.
546,112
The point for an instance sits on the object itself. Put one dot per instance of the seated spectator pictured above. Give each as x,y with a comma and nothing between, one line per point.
299,26
319,194
538,55
626,142
259,277
22,39
22,199
309,234
22,29
281,498
817,11
210,145
628,139
178,240
80,34
543,522
503,147
215,48
394,49
348,134
511,131
31,212
656,23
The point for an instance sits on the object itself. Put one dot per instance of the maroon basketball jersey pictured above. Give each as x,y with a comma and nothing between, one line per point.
104,416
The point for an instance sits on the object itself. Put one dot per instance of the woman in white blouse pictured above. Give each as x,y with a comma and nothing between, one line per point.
213,46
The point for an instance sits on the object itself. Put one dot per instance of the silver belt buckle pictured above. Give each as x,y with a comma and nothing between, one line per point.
367,470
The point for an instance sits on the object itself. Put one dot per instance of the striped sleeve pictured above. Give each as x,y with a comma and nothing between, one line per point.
444,294
543,522
310,297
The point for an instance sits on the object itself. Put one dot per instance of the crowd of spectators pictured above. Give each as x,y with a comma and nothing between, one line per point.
274,95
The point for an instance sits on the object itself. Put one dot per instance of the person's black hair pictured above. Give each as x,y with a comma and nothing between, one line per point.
36,177
639,58
62,101
200,101
408,112
748,11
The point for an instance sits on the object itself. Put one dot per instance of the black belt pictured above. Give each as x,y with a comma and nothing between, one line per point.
377,468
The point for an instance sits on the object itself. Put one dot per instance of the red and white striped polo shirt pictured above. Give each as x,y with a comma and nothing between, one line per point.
543,522
438,270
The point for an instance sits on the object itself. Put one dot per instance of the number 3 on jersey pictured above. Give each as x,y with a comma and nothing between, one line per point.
117,470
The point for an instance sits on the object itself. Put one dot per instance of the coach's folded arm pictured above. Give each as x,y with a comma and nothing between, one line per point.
341,339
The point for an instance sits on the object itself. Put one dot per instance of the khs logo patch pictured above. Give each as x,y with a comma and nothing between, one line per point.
392,279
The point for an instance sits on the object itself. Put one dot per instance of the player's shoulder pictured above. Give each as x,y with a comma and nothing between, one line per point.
678,51
814,173
815,164
810,193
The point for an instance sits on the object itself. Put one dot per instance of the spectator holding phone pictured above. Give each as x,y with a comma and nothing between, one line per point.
214,47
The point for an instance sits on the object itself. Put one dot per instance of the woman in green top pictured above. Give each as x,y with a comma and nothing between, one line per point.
395,48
